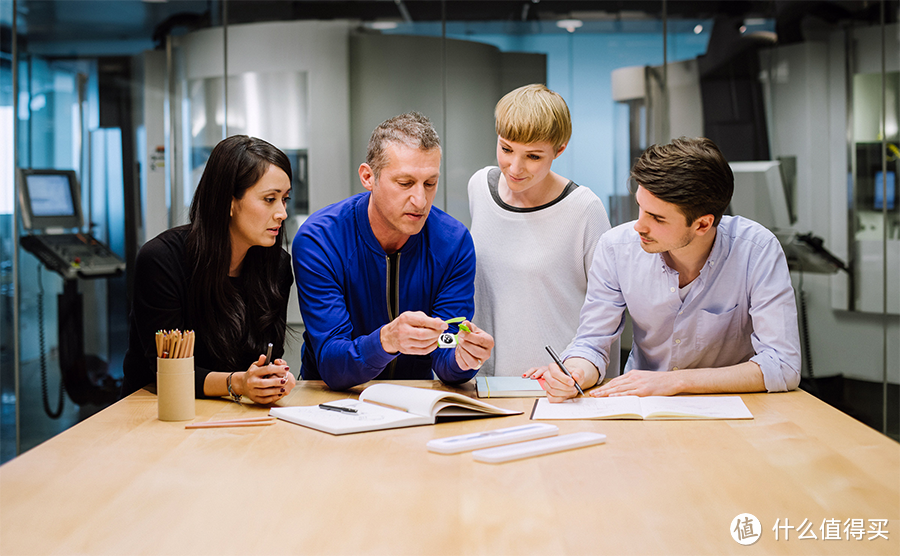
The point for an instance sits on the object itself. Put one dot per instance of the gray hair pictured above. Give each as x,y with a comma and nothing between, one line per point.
411,129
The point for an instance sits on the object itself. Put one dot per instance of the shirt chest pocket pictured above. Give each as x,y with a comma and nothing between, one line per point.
715,327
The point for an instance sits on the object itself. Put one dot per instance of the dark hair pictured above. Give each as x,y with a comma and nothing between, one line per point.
692,174
234,166
411,129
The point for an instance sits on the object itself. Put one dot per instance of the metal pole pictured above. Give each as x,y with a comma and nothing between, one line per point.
884,241
84,139
850,70
666,128
169,128
571,68
15,214
225,76
443,85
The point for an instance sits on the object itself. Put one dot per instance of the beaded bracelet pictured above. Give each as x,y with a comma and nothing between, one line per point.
234,396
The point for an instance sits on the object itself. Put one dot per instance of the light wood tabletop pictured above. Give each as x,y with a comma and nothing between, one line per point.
123,482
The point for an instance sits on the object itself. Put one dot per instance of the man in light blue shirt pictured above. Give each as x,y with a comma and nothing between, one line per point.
710,295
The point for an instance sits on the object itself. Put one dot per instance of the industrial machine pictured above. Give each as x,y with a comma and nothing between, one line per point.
50,202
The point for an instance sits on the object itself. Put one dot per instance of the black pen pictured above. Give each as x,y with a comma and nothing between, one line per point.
268,355
559,362
337,408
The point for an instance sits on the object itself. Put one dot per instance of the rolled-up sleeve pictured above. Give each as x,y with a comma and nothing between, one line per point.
773,312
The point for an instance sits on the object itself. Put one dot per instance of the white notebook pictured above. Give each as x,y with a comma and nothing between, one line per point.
388,406
508,387
646,408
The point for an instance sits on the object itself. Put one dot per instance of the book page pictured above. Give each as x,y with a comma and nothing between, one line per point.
620,407
368,417
695,407
422,401
460,402
405,398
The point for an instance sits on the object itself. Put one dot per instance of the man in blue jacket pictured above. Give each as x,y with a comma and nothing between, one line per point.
378,274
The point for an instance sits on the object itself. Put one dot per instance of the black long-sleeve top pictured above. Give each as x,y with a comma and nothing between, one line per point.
160,302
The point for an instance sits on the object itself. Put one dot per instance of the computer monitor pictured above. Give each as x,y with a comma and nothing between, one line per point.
49,199
759,194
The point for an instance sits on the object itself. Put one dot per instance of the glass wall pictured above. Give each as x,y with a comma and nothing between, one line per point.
133,95
77,106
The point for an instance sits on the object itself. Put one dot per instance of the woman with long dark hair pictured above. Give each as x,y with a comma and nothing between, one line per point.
226,276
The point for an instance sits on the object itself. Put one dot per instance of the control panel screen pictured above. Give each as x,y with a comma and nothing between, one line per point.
50,195
49,199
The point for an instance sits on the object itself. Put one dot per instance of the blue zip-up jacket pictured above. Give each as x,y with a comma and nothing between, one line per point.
342,281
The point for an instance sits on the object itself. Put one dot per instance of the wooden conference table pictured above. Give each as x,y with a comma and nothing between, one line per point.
123,482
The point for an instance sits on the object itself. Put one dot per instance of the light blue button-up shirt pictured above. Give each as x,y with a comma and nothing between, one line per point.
740,308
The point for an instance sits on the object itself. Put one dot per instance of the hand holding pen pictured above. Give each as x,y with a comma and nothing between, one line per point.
267,381
268,358
561,381
562,367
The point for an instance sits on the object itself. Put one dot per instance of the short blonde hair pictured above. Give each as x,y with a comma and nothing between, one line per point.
531,114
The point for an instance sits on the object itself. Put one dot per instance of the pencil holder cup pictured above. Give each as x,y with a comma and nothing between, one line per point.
175,389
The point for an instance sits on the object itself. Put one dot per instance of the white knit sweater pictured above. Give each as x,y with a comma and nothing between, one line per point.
531,272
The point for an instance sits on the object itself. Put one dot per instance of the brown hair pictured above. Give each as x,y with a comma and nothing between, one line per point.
692,174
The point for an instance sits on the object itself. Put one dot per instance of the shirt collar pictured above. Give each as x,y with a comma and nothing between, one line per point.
717,253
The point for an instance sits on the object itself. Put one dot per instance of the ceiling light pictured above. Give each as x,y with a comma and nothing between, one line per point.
698,29
569,24
383,25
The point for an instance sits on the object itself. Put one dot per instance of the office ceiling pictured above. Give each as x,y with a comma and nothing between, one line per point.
98,20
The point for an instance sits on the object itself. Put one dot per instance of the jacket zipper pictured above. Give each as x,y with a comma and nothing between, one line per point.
391,316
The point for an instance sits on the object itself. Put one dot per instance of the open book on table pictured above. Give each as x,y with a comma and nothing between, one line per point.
389,406
647,408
